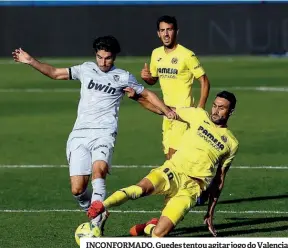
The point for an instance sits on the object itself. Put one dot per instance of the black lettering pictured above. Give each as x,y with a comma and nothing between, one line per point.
91,85
90,245
107,87
112,91
167,71
200,128
99,86
210,136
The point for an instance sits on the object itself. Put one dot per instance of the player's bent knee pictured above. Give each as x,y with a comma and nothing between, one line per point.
77,190
78,184
147,186
99,169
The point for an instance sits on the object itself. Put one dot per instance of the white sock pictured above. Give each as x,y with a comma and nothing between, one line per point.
84,199
99,194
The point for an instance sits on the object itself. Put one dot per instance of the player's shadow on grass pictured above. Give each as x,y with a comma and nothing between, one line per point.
258,198
198,230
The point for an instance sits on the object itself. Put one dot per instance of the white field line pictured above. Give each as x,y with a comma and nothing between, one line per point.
133,166
138,211
67,90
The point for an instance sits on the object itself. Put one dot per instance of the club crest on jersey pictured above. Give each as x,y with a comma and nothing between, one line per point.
116,78
224,138
174,61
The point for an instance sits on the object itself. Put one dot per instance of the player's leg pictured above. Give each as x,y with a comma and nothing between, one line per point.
119,197
177,205
80,191
80,170
133,192
99,173
101,151
138,229
154,182
172,214
164,182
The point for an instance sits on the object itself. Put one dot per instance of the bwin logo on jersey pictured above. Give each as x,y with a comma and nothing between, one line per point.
102,87
210,137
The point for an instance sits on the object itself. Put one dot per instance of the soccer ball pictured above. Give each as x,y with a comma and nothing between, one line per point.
86,230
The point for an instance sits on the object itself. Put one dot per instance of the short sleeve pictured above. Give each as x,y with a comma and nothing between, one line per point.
194,66
229,159
75,72
132,83
153,67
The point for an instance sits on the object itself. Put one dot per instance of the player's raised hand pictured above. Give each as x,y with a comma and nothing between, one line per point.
145,72
21,56
131,93
208,221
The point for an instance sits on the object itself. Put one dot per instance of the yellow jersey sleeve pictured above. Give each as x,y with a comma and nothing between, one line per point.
194,66
228,160
153,67
187,114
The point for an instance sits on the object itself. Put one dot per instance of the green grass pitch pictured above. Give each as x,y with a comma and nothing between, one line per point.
37,114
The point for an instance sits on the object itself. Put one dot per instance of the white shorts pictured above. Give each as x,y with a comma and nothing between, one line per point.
85,147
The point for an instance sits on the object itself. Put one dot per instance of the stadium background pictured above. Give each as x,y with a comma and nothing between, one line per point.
256,28
242,48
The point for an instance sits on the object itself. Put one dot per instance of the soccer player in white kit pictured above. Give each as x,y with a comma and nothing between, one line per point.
91,142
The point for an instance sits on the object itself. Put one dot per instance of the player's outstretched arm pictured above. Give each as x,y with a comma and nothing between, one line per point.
214,193
131,93
154,100
205,88
21,56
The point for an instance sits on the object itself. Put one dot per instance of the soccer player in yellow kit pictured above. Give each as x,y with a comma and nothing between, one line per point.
206,152
175,67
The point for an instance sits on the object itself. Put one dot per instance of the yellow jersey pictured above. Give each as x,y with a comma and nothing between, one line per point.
203,146
176,71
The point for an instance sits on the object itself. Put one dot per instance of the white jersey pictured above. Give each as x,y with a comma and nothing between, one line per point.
101,93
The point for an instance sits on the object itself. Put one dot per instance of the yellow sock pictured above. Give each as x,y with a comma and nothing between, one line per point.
123,195
149,229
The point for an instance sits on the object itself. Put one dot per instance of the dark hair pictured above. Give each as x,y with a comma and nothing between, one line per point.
107,43
228,96
169,20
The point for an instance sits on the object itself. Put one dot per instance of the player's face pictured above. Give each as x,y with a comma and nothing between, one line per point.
220,111
167,34
104,60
